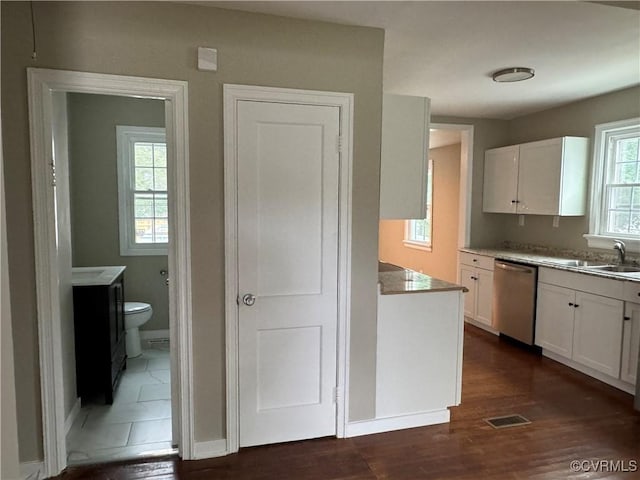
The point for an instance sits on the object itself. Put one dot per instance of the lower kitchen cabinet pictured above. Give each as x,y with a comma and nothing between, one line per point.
476,274
484,296
591,324
630,343
581,326
597,332
555,318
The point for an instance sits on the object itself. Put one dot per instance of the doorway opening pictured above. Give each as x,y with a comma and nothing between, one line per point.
59,116
117,168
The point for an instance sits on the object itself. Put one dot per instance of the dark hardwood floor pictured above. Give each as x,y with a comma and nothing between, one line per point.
573,417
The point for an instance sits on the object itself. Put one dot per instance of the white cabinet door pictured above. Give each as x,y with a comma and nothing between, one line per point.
630,343
404,151
552,176
478,301
500,192
539,173
467,279
548,177
554,319
484,296
598,332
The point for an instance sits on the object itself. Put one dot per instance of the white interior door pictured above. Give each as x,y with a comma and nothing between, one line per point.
288,168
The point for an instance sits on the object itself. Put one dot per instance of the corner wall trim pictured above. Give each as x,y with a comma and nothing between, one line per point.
388,424
210,449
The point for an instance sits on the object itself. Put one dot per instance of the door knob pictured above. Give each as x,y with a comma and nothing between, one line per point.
249,299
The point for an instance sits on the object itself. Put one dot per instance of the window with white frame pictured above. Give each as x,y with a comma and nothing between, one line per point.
615,205
418,233
142,190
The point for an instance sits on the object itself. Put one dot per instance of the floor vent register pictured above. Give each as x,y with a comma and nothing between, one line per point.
507,421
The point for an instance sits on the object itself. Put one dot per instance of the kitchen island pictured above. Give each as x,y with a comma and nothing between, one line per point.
419,351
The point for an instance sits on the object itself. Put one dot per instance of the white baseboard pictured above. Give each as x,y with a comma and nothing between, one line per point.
481,325
73,414
148,337
388,424
614,382
31,470
211,449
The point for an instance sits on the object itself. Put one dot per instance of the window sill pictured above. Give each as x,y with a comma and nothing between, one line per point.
426,247
605,242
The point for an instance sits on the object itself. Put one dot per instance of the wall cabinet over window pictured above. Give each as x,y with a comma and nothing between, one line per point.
404,151
547,177
476,274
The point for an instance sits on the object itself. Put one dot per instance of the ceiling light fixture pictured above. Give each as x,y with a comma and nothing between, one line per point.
513,74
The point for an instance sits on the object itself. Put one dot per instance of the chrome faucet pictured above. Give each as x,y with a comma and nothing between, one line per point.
619,245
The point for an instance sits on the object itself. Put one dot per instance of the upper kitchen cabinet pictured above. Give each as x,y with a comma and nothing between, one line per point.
547,177
405,148
501,180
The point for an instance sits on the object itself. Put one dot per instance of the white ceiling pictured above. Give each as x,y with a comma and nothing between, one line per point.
447,50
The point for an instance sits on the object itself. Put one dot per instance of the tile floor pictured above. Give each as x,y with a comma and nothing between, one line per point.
139,421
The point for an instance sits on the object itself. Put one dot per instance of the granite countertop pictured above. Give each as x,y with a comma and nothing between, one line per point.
395,280
560,263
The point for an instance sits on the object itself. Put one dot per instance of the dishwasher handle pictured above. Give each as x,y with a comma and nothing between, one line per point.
513,268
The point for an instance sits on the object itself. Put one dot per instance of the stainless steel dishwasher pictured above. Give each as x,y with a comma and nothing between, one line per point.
514,300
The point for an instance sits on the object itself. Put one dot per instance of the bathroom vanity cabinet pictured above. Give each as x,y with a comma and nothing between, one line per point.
99,337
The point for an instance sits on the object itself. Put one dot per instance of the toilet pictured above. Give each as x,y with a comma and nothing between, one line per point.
136,314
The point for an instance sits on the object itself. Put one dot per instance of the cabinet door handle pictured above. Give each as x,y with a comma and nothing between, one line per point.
576,306
627,318
475,260
571,304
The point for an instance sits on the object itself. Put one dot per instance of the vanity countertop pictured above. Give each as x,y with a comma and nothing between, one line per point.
398,280
92,276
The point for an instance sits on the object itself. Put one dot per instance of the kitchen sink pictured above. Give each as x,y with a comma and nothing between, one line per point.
581,263
616,268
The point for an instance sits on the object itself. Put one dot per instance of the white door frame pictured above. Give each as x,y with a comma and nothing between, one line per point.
42,83
232,95
466,178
